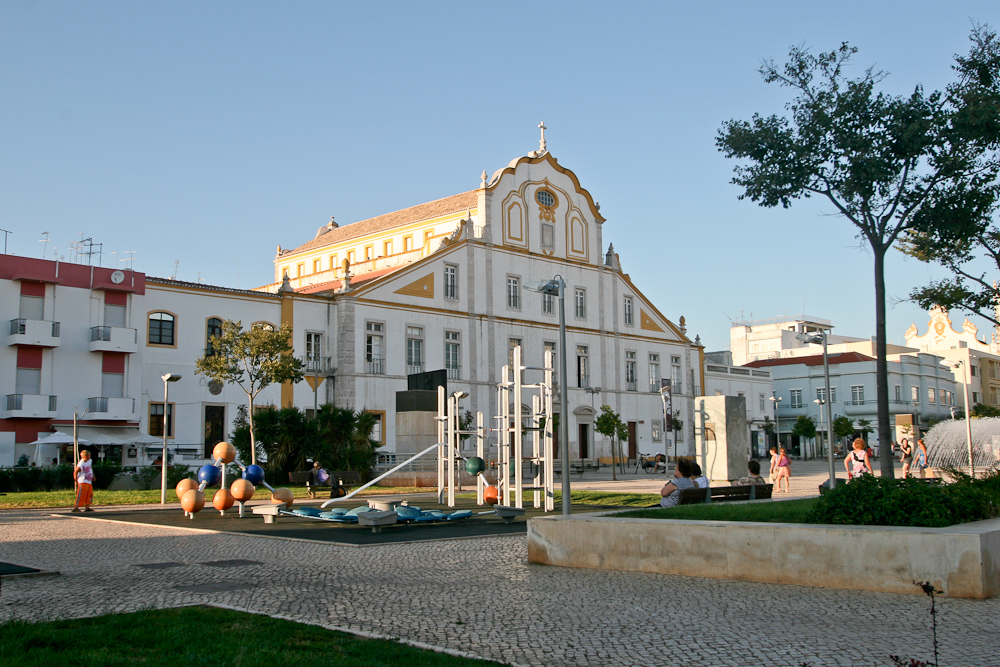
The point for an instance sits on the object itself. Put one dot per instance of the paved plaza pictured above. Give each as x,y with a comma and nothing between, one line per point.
481,596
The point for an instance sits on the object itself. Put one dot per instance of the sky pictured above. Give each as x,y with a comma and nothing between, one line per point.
201,135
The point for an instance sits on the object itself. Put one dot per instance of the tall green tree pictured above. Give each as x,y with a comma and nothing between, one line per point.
968,239
344,439
804,427
253,360
886,163
610,425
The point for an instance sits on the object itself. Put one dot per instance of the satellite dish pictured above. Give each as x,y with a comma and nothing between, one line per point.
117,277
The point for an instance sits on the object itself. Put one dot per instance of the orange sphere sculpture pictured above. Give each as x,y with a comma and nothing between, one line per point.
184,486
193,501
491,495
223,500
242,490
283,496
224,451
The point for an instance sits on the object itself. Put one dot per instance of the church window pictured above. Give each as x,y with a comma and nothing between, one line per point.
545,198
450,281
628,311
581,303
513,292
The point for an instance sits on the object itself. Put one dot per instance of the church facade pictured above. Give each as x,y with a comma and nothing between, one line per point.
441,285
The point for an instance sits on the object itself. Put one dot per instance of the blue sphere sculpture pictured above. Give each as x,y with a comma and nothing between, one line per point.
254,475
209,474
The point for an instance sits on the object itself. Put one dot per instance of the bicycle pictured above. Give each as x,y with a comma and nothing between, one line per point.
645,461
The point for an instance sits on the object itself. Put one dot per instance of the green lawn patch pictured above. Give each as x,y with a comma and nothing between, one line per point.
66,498
203,636
785,511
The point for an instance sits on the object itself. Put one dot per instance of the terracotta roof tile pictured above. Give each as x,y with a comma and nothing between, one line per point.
814,360
454,204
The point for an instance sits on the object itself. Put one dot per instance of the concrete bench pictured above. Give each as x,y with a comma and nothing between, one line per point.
719,494
270,512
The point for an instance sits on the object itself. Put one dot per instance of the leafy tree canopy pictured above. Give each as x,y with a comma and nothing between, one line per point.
252,359
843,427
804,427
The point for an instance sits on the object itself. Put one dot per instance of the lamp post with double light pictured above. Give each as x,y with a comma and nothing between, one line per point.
557,287
167,379
820,339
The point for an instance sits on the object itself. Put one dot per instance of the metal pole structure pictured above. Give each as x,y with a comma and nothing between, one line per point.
829,414
563,398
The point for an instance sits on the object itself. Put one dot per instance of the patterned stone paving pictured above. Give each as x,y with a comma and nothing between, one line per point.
482,597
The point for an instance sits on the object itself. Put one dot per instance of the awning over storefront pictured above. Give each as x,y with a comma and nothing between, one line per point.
105,435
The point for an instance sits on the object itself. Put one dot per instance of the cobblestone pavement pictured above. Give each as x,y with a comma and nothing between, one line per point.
480,596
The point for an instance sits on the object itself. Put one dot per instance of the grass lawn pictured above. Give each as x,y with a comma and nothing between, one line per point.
202,636
42,499
785,511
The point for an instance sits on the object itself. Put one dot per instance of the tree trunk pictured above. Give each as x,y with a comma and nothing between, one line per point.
882,368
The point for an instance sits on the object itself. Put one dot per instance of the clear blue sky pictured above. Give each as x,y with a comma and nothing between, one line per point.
202,132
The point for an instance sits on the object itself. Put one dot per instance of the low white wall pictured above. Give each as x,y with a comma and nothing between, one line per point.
962,561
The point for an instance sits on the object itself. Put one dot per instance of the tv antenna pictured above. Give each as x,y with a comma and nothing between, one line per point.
176,263
46,242
129,259
6,233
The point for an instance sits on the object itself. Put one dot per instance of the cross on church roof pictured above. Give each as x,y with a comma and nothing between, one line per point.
541,144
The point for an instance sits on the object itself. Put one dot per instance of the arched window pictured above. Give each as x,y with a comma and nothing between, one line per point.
161,329
213,329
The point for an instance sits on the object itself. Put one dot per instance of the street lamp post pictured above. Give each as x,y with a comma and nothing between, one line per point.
821,338
968,417
167,379
777,426
557,286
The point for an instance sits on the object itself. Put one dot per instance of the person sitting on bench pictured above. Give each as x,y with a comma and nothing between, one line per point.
670,494
754,478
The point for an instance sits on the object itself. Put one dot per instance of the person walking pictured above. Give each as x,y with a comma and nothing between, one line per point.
907,450
858,462
772,473
84,473
921,457
784,469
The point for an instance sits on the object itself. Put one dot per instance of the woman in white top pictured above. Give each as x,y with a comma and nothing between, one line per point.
670,494
699,477
84,473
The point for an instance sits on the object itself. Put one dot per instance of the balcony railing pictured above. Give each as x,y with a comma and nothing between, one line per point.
33,404
19,327
454,372
631,385
654,386
99,404
413,369
584,381
100,333
108,407
376,366
317,364
858,401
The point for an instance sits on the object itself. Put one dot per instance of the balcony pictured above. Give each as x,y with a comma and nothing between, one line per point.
42,333
113,339
375,366
630,385
454,372
414,369
103,407
30,406
316,365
